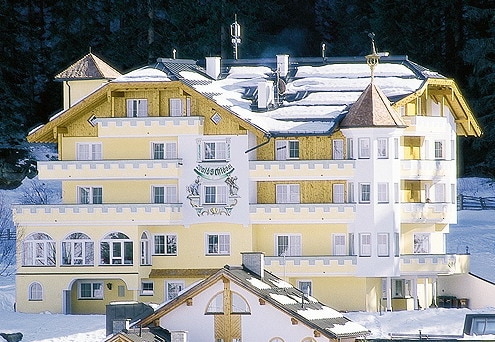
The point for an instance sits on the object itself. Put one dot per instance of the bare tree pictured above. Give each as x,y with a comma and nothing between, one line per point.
38,192
8,242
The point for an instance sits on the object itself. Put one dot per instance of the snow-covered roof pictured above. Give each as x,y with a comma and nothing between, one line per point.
310,99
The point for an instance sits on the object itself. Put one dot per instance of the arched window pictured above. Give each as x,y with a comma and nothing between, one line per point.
35,291
145,249
277,339
116,249
238,305
78,249
38,250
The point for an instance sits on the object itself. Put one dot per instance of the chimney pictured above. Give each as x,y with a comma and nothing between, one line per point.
265,94
213,67
283,65
255,262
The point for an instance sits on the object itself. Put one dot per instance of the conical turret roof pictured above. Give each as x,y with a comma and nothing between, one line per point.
88,67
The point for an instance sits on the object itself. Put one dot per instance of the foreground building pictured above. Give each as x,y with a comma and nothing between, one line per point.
346,182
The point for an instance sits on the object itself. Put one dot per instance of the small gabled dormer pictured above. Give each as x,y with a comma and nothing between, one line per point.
83,77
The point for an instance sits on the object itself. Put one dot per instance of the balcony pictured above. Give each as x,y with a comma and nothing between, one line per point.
427,169
301,169
325,265
302,213
149,126
411,264
438,124
95,214
345,265
428,213
109,169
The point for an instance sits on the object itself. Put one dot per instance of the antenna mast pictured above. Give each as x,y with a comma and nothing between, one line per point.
235,33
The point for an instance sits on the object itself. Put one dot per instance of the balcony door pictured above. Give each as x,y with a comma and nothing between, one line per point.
338,243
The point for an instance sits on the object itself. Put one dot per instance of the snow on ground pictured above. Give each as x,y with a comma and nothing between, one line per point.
475,229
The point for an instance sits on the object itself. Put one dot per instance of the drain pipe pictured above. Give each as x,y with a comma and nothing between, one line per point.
267,136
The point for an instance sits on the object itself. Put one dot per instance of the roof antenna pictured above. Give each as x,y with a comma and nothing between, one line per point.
372,59
174,51
235,33
323,50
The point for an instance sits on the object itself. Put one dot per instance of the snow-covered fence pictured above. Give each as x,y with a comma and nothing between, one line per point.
475,203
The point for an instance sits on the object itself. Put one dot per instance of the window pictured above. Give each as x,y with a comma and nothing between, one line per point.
137,108
439,192
215,194
116,249
338,244
365,244
288,245
91,290
145,249
382,244
306,286
147,288
90,195
382,148
39,250
239,305
382,192
176,107
338,149
439,154
277,339
364,193
217,244
350,148
121,291
286,149
215,306
215,150
421,243
166,150
35,292
364,148
287,193
401,288
352,248
396,148
338,193
89,151
165,244
482,326
77,249
350,192
164,194
173,288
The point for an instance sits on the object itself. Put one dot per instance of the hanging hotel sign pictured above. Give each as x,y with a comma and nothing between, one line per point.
219,195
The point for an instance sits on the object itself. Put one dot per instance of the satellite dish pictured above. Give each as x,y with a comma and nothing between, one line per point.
281,86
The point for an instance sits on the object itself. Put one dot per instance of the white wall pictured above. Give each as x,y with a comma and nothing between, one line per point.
481,293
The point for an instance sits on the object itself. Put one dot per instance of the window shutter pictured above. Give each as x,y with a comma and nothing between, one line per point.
280,150
338,193
142,108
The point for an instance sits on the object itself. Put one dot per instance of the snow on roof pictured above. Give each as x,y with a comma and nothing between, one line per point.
258,284
323,313
145,74
348,328
280,283
283,299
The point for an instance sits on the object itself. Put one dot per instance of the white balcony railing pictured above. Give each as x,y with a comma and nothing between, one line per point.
301,169
302,213
428,213
427,169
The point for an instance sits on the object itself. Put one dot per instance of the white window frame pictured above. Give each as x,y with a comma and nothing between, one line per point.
176,107
292,246
214,194
338,193
365,244
440,192
162,194
382,148
173,288
165,244
364,192
339,244
39,250
77,250
287,193
350,193
35,292
89,195
137,108
382,193
383,244
96,290
439,149
147,288
421,243
217,153
364,148
338,149
350,148
145,250
221,246
303,285
164,150
117,246
287,149
89,151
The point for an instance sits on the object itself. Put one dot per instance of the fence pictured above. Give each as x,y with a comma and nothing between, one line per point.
475,203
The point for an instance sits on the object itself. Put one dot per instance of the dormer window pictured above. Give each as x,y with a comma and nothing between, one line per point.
286,149
137,108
